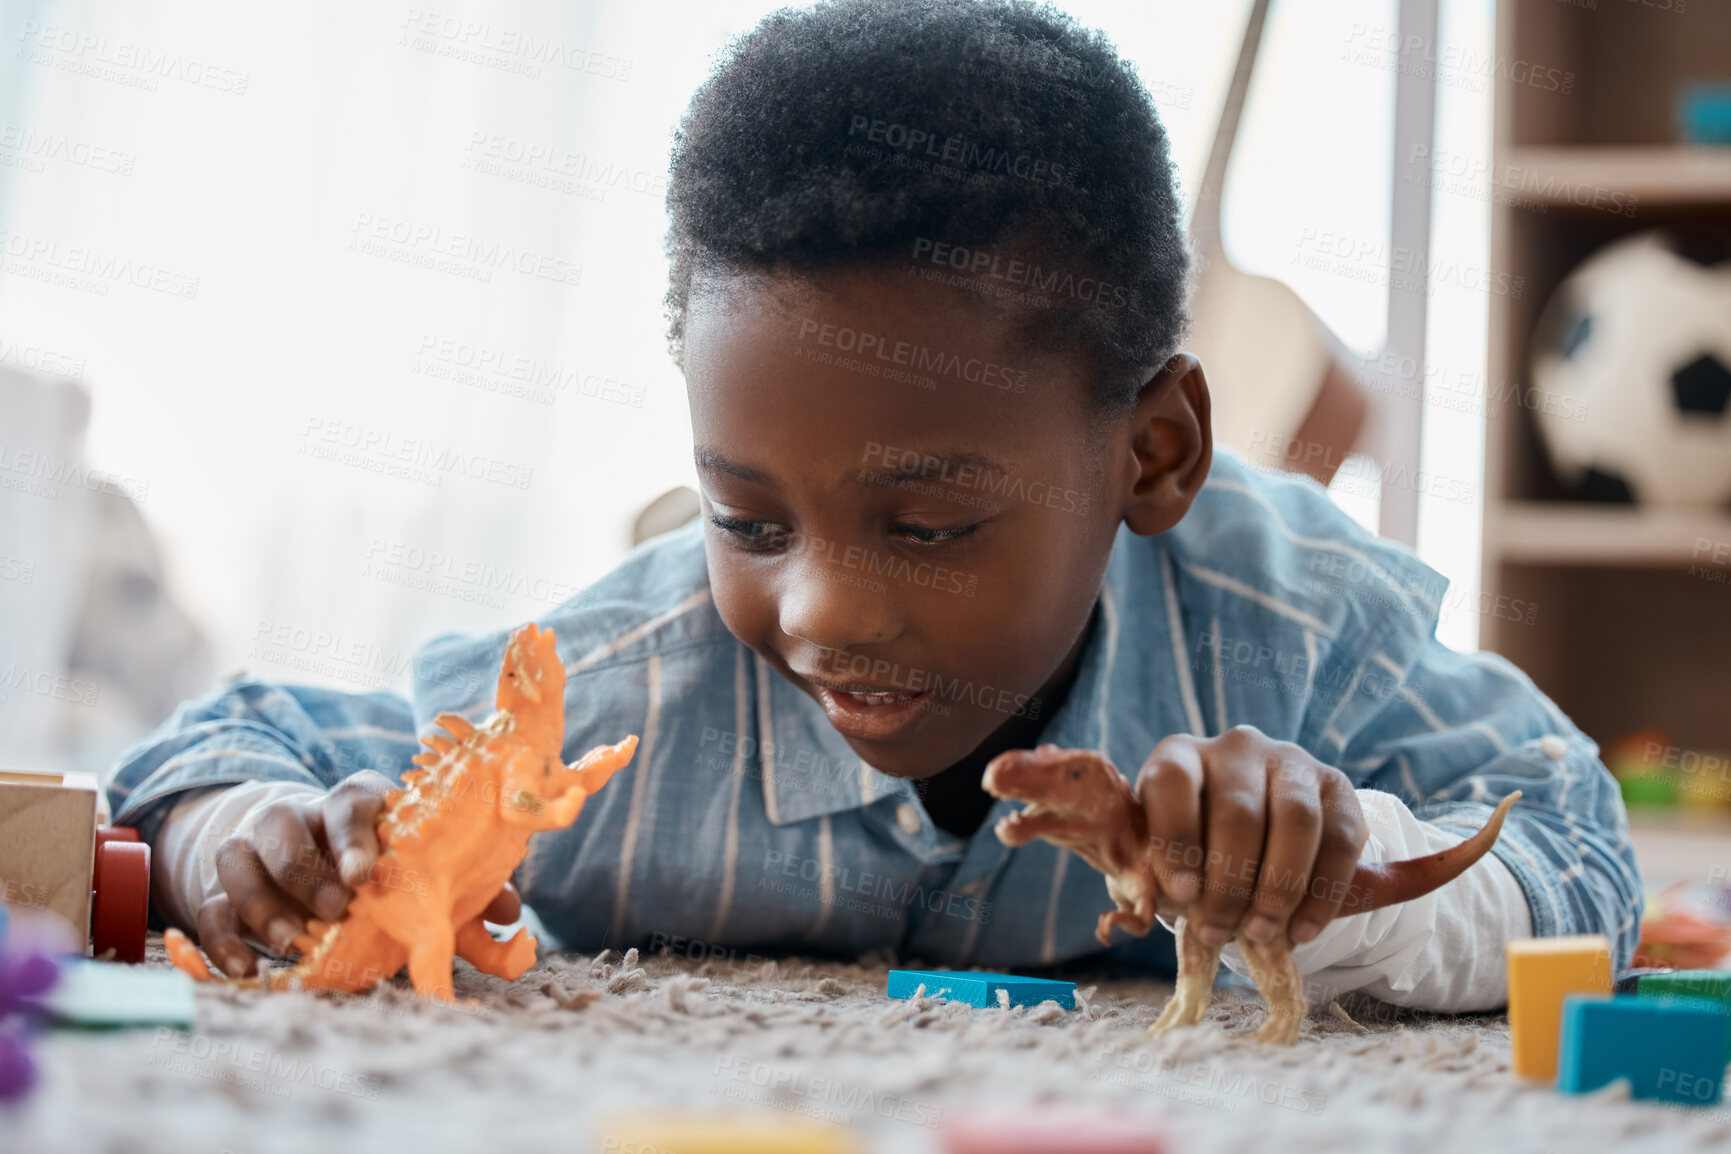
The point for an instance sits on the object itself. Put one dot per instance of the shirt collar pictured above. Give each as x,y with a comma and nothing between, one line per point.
1132,688
1133,681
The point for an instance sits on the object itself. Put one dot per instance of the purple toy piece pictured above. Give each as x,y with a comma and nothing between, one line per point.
25,975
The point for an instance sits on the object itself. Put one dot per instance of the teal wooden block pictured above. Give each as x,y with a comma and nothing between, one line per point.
981,989
1714,984
1671,1049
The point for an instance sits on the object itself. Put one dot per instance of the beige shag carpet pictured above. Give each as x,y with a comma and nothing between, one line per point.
543,1064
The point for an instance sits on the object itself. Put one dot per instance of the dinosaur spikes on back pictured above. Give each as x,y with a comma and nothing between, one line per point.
455,724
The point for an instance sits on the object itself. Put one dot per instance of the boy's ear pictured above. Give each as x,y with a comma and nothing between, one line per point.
1172,445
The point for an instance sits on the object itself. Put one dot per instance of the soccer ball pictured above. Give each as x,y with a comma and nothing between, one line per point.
1632,372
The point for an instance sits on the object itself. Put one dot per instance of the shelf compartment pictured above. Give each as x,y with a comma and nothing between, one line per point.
1562,533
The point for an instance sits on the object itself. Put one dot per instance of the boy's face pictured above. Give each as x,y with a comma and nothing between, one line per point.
920,556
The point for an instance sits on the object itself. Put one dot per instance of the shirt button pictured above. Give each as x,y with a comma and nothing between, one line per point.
1554,747
908,818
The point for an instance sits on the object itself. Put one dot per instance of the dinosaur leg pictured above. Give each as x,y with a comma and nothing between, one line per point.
1276,976
431,950
506,959
1129,919
421,925
1197,964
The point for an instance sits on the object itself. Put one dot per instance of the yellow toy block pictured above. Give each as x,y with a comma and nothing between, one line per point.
1542,972
680,1132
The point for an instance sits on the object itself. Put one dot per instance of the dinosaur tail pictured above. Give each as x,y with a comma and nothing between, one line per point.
186,957
189,961
1379,884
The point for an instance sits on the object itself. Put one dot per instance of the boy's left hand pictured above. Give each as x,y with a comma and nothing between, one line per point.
1250,830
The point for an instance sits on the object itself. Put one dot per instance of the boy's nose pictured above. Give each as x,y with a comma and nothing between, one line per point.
838,610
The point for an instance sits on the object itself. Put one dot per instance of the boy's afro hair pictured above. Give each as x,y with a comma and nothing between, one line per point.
803,153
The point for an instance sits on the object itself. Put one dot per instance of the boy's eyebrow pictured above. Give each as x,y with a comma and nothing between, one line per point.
893,465
710,459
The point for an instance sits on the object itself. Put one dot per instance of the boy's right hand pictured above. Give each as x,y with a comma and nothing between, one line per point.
300,860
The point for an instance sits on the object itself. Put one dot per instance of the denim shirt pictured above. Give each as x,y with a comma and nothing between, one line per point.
745,822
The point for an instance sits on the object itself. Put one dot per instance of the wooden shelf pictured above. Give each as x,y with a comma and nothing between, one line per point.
1557,533
1622,614
1591,177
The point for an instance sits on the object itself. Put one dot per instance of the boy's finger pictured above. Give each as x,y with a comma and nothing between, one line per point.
1343,837
1294,833
505,908
1170,788
219,936
301,868
350,813
1236,800
262,907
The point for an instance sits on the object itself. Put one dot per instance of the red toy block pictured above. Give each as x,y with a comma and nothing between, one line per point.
1057,1129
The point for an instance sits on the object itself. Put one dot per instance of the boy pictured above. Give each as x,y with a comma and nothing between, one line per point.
959,496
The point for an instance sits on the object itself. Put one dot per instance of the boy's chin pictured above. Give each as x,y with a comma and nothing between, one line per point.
914,760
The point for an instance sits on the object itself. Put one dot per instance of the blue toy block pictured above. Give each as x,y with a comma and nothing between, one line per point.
1704,114
1672,1049
102,995
981,989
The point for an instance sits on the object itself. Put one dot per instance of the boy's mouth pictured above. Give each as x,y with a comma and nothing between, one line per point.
868,696
871,713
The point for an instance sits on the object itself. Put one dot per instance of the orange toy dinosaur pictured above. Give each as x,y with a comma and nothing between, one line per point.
450,840
1077,800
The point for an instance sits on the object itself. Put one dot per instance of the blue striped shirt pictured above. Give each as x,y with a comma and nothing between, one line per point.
746,822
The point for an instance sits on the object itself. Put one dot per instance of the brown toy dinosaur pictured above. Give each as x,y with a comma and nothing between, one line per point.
451,839
1077,800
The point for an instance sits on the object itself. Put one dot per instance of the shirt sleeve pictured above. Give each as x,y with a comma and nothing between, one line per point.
184,865
257,731
1442,951
1451,735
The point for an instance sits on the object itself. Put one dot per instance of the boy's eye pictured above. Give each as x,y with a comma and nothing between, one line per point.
760,535
766,536
925,536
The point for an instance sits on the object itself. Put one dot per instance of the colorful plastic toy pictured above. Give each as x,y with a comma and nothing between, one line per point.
451,839
1542,972
1077,800
1677,937
26,975
1635,761
1711,984
1704,114
981,989
56,855
95,996
1672,1049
